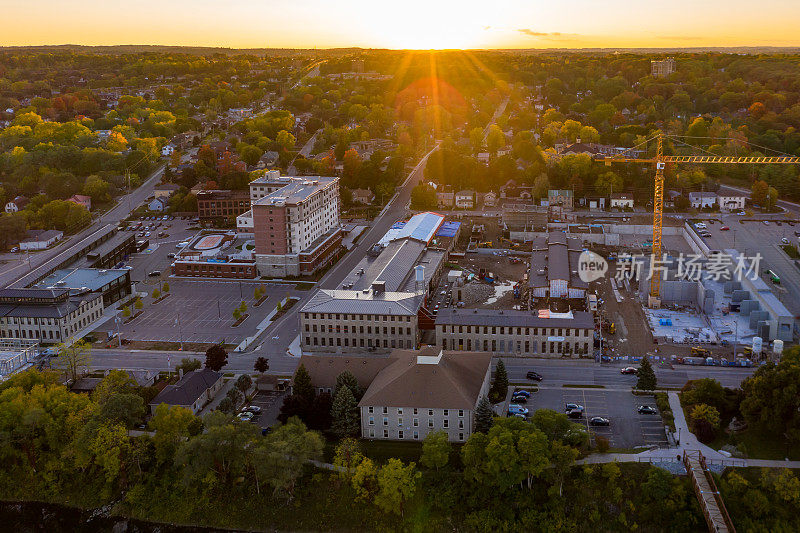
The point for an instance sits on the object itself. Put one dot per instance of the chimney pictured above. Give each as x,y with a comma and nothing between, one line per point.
378,287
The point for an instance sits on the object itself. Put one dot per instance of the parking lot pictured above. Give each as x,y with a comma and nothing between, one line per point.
270,404
628,428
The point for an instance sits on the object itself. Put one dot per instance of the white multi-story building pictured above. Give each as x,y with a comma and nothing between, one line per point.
731,202
47,315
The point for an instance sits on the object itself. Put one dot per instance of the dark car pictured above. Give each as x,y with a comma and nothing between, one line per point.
575,413
647,410
599,421
519,399
521,392
628,370
573,407
534,376
154,273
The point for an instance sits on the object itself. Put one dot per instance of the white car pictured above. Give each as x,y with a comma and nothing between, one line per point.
247,416
700,225
784,240
766,222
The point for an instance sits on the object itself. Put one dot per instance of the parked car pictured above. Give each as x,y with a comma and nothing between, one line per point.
766,222
573,407
519,399
245,416
534,376
784,240
700,225
628,370
599,421
724,228
171,255
575,413
778,223
517,409
647,410
154,273
521,392
251,409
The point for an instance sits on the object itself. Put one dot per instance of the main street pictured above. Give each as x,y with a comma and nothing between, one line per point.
124,205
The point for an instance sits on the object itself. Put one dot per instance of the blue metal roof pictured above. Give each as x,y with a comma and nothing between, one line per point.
448,229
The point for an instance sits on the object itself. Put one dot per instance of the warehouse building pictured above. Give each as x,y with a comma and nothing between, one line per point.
47,315
554,267
541,333
112,284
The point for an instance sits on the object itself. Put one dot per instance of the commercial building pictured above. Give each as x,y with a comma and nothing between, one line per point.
515,332
48,315
222,206
554,267
424,392
40,239
662,68
297,227
111,284
346,320
622,200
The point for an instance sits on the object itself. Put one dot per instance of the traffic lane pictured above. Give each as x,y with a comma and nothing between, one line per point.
114,358
590,373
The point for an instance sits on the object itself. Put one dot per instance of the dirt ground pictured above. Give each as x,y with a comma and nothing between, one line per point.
500,295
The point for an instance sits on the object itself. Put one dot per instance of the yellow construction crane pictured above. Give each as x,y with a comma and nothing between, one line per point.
660,161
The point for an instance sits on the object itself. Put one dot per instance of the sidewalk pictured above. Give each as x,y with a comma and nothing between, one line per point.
223,392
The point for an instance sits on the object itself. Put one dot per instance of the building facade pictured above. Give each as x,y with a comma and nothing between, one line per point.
662,68
223,206
47,315
515,332
731,202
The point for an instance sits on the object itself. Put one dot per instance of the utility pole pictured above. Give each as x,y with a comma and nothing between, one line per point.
180,332
119,335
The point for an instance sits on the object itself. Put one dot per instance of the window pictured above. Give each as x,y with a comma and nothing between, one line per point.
372,433
430,422
385,433
416,422
372,421
400,421
416,411
430,412
416,435
386,410
460,436
399,410
461,412
400,434
445,423
370,410
385,421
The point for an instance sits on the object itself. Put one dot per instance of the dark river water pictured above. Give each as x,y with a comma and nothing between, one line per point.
25,517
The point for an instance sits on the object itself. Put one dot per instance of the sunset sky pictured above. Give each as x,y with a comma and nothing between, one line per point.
403,24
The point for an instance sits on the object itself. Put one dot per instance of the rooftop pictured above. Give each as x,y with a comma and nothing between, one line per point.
296,190
93,279
513,318
422,227
364,302
446,380
188,389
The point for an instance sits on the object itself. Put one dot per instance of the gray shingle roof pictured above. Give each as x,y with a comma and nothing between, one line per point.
453,383
188,389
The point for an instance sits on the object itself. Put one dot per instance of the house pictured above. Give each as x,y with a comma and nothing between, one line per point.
560,197
165,190
731,201
465,199
167,150
158,204
622,200
268,160
593,203
425,391
702,199
490,199
484,157
17,204
445,197
40,239
192,391
363,196
81,199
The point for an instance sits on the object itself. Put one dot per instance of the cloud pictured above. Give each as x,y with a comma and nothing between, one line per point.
529,32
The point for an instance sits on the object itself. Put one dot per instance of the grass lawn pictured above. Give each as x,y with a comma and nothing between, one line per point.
791,251
758,444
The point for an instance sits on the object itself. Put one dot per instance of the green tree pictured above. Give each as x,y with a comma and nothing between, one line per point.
302,386
138,304
423,197
261,365
126,311
165,287
435,450
499,387
484,416
216,357
72,357
156,294
347,379
397,483
495,139
705,421
348,456
346,421
188,364
171,424
647,376
365,480
563,457
281,456
244,383
476,139
771,401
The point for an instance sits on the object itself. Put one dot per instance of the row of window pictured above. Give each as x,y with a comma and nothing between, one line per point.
415,422
502,330
415,410
347,329
358,343
401,434
461,344
345,316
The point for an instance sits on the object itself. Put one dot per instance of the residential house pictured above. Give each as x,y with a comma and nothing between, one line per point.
158,204
731,201
81,199
484,157
702,199
37,239
167,150
490,199
192,391
445,197
593,203
465,199
165,190
268,160
622,200
425,391
560,197
17,204
363,196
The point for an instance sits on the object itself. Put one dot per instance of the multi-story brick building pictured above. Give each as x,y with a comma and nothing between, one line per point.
222,206
515,332
296,227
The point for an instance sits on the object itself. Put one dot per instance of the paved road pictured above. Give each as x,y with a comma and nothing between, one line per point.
557,373
125,204
497,112
305,151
